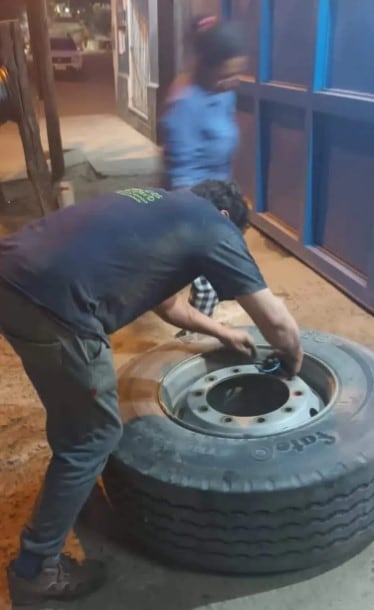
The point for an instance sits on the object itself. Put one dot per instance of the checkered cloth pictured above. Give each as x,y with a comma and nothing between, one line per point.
203,296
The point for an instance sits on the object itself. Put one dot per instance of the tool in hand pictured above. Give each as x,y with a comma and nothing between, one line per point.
271,365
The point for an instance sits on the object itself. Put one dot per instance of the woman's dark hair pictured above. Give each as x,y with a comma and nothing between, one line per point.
218,42
199,24
225,196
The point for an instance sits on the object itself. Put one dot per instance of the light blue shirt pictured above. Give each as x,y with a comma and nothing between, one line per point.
200,136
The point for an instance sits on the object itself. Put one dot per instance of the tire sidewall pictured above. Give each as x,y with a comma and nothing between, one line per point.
341,440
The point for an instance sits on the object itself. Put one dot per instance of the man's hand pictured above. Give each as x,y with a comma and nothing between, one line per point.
239,340
292,363
268,313
277,325
180,313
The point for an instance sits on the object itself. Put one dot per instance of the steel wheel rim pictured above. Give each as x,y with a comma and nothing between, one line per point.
189,394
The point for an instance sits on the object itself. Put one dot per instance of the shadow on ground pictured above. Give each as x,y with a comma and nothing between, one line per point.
138,582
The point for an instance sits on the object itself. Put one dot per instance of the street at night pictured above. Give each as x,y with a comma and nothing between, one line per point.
89,93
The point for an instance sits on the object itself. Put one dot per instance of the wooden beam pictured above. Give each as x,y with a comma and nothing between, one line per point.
37,169
34,47
11,9
38,25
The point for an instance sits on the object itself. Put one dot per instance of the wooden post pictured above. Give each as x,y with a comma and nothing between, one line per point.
38,24
14,58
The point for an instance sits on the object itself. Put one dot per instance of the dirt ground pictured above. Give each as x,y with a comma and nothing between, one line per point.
23,448
20,206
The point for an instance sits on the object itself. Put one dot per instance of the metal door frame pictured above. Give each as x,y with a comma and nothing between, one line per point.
316,99
131,87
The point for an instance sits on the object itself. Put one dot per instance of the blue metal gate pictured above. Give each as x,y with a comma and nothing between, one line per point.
306,110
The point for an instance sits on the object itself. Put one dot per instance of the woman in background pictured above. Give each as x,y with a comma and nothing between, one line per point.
199,24
199,129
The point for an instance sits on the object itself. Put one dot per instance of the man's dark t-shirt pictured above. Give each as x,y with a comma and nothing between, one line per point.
99,265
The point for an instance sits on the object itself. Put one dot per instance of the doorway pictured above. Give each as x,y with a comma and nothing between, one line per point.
138,23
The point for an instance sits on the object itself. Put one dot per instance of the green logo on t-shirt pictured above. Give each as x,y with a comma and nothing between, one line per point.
140,195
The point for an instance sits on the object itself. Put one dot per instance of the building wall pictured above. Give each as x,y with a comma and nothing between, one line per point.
306,111
11,9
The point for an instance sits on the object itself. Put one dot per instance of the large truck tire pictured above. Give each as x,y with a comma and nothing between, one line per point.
242,478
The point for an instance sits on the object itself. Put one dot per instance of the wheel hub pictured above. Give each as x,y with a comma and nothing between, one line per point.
223,395
243,400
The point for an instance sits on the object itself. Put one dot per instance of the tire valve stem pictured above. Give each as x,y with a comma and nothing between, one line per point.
269,366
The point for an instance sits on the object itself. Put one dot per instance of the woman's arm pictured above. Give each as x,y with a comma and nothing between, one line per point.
180,141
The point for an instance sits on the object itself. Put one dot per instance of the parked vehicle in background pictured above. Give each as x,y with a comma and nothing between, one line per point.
66,57
66,26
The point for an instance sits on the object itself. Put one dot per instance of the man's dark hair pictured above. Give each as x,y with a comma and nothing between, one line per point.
225,196
219,43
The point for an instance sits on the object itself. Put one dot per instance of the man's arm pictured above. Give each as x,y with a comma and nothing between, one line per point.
276,324
180,313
